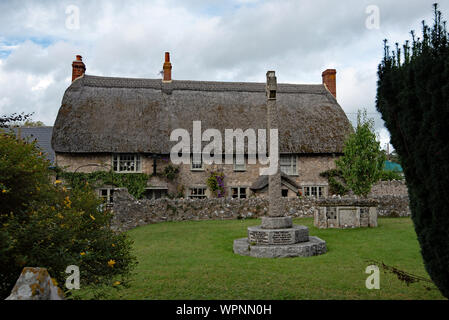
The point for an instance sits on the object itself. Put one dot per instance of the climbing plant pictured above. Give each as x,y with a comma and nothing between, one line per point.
216,185
134,182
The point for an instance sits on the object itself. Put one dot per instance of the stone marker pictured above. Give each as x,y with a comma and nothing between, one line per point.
35,284
277,236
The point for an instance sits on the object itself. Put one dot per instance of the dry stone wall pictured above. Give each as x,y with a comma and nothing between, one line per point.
130,213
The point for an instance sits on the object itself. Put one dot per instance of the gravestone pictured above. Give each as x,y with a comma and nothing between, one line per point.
277,236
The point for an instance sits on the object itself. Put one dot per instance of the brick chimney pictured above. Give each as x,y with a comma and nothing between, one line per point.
329,80
78,67
167,68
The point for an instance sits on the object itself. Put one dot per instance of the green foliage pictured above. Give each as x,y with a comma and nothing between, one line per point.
134,182
413,98
362,163
215,183
388,175
336,181
44,224
23,174
171,172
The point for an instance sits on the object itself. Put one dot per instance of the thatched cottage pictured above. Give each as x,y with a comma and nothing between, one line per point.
126,123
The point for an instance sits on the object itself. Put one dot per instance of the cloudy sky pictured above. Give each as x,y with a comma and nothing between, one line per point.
237,40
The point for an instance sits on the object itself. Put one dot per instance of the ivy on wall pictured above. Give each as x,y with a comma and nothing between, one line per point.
134,182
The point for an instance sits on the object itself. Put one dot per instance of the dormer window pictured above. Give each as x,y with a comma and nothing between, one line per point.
126,163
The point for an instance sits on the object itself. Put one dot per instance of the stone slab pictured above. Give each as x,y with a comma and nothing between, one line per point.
276,222
315,246
35,284
295,234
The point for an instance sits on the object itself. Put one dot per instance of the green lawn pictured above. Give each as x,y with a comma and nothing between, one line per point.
194,260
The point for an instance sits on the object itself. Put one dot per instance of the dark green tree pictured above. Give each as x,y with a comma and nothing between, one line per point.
362,163
413,98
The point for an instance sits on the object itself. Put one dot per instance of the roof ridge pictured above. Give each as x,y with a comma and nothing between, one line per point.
196,85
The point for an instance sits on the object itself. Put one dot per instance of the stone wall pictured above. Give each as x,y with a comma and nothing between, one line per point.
389,188
130,213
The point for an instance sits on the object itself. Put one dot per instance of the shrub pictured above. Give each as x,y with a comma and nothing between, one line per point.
52,227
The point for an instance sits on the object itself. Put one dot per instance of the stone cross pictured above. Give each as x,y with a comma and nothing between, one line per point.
274,180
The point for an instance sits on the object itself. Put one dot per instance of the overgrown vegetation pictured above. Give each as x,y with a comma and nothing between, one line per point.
134,182
45,225
336,181
413,98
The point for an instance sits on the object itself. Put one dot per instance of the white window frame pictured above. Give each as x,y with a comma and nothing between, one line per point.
119,158
154,189
239,193
109,195
292,164
314,191
239,167
194,166
201,195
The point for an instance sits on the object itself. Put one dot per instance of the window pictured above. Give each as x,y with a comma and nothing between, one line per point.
284,192
239,167
314,191
196,165
288,164
238,193
126,163
155,193
197,193
107,195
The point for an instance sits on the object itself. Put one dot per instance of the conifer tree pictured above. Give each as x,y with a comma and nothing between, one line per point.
413,98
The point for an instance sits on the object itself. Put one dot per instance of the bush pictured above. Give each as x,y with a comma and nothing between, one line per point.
52,227
388,175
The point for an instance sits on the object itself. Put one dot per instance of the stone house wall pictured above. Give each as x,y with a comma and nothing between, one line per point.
309,168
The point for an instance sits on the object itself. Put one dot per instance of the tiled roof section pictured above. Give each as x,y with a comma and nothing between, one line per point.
43,137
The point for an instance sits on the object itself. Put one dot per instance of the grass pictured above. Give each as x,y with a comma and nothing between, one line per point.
194,260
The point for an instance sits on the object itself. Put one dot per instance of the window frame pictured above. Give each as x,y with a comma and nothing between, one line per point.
293,164
319,191
239,193
197,196
116,159
196,169
109,195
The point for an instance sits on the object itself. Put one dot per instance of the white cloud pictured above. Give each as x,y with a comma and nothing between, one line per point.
208,40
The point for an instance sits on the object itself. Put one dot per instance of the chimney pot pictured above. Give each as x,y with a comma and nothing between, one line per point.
167,68
329,80
78,67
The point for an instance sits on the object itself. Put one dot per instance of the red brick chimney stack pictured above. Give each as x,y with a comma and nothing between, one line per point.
78,67
329,80
167,68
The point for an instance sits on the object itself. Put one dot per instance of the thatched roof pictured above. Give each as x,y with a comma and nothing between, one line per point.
103,114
